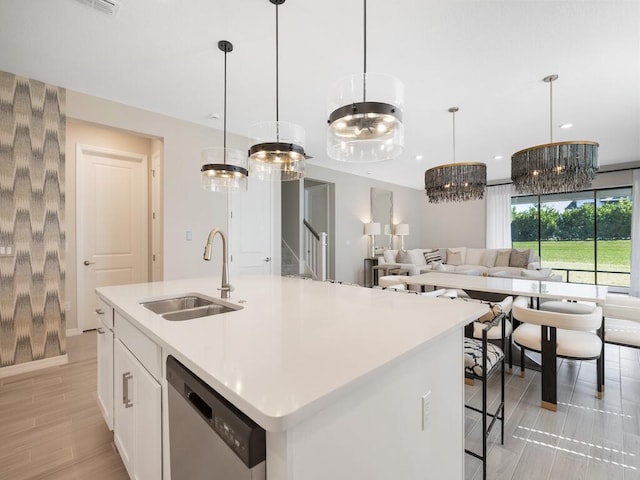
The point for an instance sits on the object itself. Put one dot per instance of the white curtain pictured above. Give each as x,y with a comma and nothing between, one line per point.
635,237
499,216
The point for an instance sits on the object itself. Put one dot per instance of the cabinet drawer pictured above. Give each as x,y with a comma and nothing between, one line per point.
143,348
105,313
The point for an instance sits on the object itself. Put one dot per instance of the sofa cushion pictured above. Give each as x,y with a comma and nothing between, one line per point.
446,268
417,257
455,257
537,274
474,256
432,256
390,256
506,272
502,258
519,258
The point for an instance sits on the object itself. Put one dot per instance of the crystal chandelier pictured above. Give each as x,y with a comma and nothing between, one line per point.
278,153
554,167
362,130
455,182
224,169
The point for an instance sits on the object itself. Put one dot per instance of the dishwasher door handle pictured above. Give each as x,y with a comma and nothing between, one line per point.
125,390
202,406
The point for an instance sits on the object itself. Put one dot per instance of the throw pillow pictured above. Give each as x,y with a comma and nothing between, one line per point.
519,258
446,268
417,257
432,256
489,258
502,258
403,257
390,256
454,258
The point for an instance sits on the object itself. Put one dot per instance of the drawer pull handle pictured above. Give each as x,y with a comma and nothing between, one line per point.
125,390
99,311
100,331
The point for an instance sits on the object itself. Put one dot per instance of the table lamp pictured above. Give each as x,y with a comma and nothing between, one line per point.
371,229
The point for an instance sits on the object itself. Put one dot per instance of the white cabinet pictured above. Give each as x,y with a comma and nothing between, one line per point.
138,399
105,361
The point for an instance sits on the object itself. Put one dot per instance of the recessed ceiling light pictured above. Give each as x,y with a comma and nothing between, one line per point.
419,157
566,125
498,157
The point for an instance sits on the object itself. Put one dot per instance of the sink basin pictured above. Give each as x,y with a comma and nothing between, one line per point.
188,306
175,304
198,312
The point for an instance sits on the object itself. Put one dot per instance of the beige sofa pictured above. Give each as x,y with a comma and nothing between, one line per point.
471,261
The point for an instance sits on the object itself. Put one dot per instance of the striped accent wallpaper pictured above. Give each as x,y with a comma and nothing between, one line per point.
32,202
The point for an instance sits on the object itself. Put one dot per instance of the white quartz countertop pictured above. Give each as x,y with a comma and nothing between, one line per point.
296,345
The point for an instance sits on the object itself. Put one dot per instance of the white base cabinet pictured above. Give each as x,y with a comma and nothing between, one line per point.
138,417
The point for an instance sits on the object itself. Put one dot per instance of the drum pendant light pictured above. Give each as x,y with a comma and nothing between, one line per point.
224,169
554,167
365,116
278,153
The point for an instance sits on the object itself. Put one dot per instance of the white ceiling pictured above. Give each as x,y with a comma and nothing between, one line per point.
485,56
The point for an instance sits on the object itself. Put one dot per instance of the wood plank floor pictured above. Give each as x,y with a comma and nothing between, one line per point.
51,427
50,423
586,438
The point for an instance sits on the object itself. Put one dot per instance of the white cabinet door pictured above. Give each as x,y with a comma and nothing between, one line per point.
138,420
105,373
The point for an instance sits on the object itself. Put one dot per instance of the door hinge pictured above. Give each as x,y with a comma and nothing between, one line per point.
153,215
153,257
231,258
153,172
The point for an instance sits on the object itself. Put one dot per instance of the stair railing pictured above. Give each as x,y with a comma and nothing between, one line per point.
315,252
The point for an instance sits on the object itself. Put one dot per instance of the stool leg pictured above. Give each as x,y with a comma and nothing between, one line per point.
521,361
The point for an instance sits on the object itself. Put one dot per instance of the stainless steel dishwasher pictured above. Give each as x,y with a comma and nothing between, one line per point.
209,437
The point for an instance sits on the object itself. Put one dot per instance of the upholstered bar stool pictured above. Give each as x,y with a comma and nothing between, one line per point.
556,334
483,359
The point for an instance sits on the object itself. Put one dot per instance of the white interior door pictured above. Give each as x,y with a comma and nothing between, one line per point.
111,224
251,228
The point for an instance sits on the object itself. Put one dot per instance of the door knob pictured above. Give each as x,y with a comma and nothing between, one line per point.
268,259
87,262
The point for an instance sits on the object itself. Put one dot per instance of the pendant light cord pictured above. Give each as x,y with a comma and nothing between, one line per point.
277,79
551,111
364,77
453,112
224,135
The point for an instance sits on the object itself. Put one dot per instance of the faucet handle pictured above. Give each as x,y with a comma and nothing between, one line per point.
227,288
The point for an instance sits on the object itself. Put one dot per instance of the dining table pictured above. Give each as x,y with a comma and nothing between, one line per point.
476,285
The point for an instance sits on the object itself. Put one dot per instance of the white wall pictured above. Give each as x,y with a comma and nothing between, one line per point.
353,208
454,224
187,207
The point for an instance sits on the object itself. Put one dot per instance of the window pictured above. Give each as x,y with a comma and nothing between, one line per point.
583,236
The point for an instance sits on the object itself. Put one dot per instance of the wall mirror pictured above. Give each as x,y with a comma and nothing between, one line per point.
382,212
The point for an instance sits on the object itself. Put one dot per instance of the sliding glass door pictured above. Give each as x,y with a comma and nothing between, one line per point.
582,236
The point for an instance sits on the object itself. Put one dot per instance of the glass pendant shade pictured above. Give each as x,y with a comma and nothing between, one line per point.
223,170
362,130
554,167
278,151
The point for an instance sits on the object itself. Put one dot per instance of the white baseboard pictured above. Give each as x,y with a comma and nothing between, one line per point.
72,332
32,366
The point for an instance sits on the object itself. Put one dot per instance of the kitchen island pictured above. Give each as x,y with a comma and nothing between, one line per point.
335,374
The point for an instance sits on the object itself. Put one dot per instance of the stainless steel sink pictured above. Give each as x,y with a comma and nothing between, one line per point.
188,306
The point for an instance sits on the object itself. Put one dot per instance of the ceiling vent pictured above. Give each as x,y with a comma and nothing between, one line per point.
108,7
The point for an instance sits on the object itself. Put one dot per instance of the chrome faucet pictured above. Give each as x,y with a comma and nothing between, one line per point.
225,289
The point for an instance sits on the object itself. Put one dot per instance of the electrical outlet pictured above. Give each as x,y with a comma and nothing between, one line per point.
189,236
67,306
426,410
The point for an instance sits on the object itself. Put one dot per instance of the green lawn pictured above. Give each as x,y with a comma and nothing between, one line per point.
613,255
